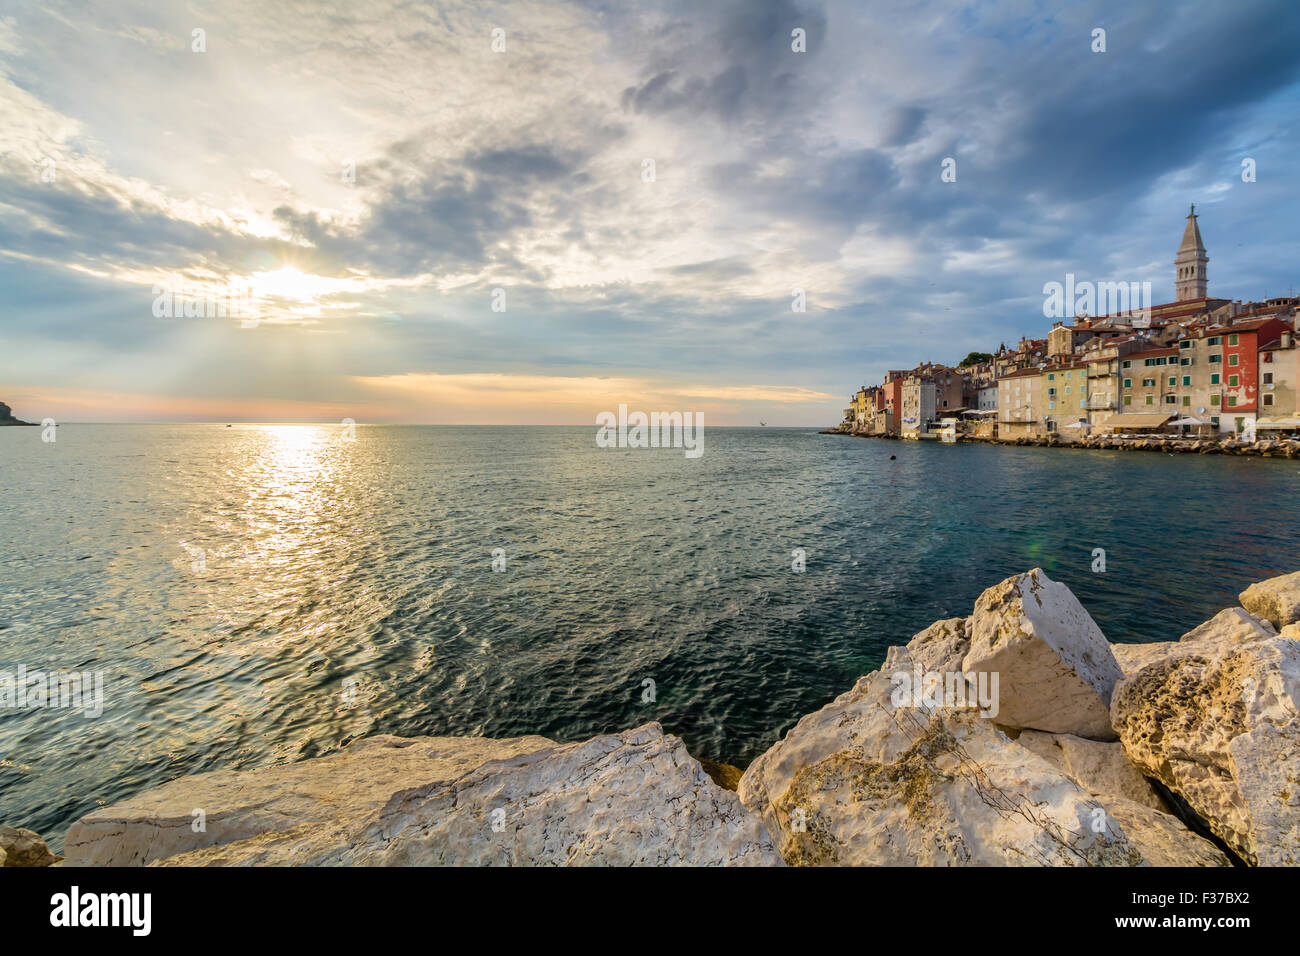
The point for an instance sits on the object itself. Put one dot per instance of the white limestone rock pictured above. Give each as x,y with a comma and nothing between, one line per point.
1056,669
1100,767
1233,624
1162,837
938,649
1277,600
1217,721
1133,657
635,798
862,782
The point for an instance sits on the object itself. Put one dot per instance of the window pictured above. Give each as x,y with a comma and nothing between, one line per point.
1051,405
1214,399
1232,339
1171,399
1188,360
1233,381
1067,390
1151,400
1127,364
1216,359
1214,340
1185,344
1051,376
1173,380
1128,383
1187,399
1268,378
1214,420
1232,401
1083,403
1187,380
1051,391
1214,378
1128,399
1148,383
1268,399
1234,359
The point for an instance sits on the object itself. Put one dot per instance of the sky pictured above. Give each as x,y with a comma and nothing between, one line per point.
509,213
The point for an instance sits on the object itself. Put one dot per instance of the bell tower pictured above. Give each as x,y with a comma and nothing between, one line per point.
1189,268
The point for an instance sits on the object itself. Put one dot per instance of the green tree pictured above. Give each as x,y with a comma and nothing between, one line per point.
975,358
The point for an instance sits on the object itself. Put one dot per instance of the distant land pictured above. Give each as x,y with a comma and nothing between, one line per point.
7,417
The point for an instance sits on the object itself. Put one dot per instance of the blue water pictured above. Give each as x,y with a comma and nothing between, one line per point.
349,587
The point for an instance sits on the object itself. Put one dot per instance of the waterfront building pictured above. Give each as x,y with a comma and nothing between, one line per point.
1149,381
1020,404
1279,387
1241,343
918,405
893,398
1064,393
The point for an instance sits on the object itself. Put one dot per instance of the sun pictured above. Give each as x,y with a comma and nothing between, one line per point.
288,282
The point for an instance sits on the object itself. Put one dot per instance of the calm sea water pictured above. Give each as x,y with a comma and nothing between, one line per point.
264,593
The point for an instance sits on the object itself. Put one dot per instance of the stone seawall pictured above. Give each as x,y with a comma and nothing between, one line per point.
1270,448
1015,735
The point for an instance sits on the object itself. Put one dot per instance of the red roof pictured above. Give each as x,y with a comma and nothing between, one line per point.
1250,325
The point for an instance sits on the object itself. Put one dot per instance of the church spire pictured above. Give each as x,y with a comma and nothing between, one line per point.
1189,267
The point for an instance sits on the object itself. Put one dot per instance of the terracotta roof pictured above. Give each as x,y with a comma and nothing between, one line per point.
1250,325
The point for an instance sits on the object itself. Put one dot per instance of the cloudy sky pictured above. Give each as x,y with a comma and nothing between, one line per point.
370,172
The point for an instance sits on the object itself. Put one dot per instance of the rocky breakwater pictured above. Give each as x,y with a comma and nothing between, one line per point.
633,798
1017,735
1081,753
1171,444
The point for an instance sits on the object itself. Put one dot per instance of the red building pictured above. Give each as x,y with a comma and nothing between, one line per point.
1241,344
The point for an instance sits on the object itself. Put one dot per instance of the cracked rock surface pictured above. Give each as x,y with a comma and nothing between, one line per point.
634,798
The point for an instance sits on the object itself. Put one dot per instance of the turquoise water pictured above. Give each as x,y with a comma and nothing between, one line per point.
349,586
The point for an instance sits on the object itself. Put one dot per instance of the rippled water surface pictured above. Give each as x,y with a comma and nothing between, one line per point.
264,593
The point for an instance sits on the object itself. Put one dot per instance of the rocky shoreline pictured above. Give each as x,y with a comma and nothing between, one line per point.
1017,735
1170,444
7,417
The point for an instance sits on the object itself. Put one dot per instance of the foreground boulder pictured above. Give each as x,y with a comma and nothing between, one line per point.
867,781
1055,667
635,798
1100,768
19,847
1215,719
1276,600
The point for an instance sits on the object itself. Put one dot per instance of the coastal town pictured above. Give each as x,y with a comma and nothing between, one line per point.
1196,369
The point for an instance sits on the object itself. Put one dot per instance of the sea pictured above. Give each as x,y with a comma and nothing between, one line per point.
254,594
